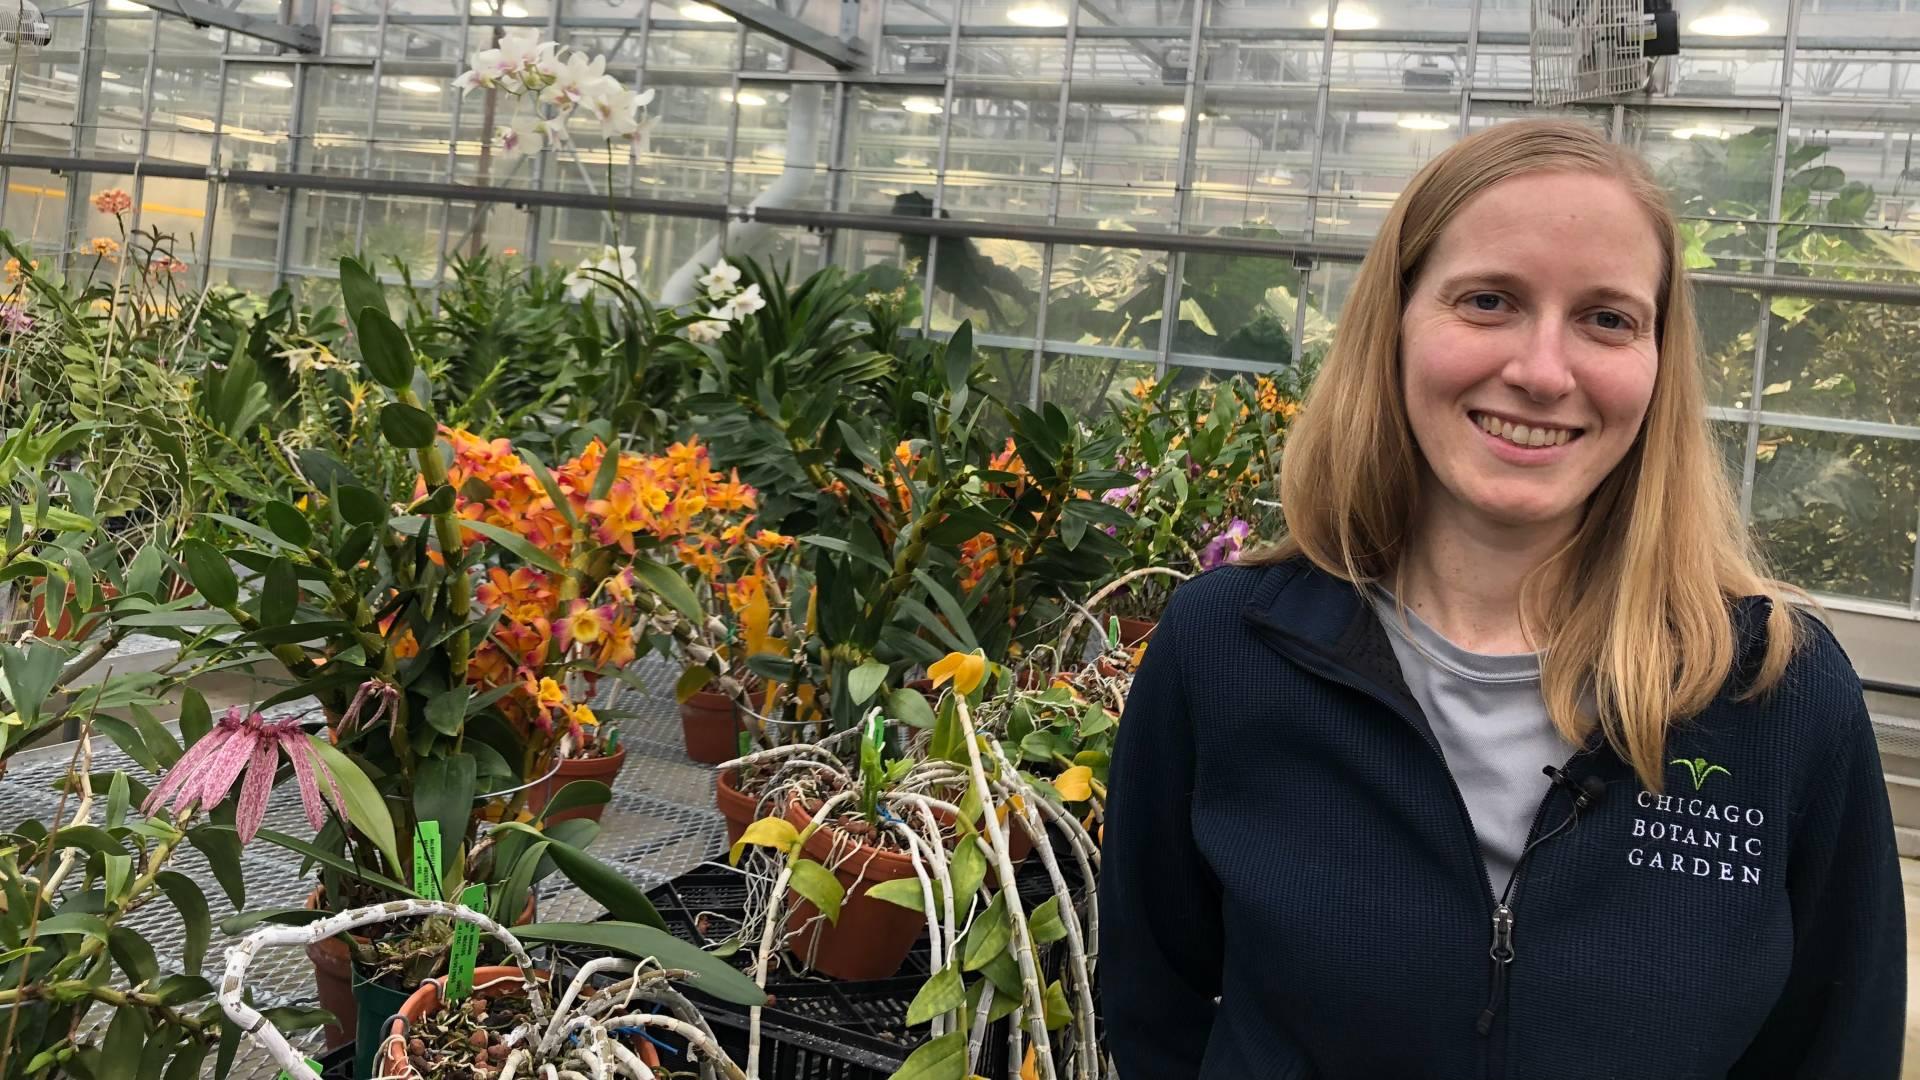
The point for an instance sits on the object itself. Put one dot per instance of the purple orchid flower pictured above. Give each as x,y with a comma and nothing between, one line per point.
204,775
1226,545
13,320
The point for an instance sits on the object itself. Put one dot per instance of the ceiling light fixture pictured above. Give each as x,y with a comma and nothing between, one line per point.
925,106
1349,17
1423,122
418,86
110,76
746,98
1702,131
912,161
1730,21
274,79
704,13
1042,15
1173,114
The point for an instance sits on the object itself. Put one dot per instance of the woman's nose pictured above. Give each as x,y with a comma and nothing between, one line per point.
1542,365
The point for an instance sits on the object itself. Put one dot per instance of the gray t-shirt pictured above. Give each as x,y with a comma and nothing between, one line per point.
1493,728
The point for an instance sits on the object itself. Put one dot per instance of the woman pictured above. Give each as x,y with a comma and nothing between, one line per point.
1506,762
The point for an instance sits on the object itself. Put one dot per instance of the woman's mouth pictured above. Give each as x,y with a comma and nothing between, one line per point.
1526,436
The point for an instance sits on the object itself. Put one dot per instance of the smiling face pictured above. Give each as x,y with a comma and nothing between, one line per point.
1529,349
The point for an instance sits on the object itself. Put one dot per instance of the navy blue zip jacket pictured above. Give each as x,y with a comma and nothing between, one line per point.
1292,888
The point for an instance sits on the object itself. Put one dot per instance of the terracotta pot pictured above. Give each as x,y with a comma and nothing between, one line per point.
710,725
603,769
426,1000
740,809
872,938
1134,631
333,975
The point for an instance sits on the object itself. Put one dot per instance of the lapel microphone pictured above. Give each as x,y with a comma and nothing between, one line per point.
1586,793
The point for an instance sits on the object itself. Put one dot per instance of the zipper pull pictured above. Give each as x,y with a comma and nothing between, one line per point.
1502,953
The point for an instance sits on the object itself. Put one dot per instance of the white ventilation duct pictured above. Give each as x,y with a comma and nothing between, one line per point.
21,24
750,238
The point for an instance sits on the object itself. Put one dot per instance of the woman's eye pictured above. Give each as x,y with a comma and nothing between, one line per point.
1611,320
1485,301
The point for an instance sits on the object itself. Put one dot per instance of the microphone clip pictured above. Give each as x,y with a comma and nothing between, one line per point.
1586,792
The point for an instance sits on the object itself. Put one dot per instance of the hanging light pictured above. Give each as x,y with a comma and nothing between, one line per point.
1730,20
1044,15
110,76
1423,122
274,79
1275,178
925,106
418,86
509,10
746,99
1172,114
1349,17
1702,131
704,13
912,161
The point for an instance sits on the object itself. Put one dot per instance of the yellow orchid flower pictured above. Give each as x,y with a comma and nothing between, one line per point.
966,670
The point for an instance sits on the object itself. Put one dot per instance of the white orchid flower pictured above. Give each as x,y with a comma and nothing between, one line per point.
747,302
571,77
721,281
706,332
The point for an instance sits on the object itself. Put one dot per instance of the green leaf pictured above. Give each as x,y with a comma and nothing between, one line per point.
176,619
117,870
1058,1013
191,903
441,501
944,1058
359,506
943,993
133,954
221,848
904,892
126,1038
712,975
196,719
405,426
508,900
365,809
958,358
987,937
279,593
669,586
265,536
522,547
288,523
117,800
1003,1002
354,546
186,1063
819,885
32,673
552,487
447,711
330,860
956,616
384,349
126,739
620,896
576,794
209,572
359,289
910,707
866,680
967,871
74,923
443,789
1044,923
236,925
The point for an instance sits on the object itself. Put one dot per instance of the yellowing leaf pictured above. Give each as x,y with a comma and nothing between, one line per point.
1075,785
965,670
1029,1070
773,832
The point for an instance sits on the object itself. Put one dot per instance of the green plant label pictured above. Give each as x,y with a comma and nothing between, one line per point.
311,1064
466,946
426,860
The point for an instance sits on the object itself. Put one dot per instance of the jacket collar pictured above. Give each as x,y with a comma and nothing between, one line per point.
1326,625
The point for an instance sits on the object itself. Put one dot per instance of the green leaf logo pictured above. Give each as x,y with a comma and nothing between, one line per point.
1699,768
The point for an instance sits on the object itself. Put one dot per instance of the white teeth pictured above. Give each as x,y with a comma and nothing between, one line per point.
1522,435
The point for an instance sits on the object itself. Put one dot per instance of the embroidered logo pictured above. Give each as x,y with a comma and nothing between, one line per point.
1700,769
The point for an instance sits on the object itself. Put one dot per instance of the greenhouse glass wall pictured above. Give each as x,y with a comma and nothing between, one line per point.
1138,187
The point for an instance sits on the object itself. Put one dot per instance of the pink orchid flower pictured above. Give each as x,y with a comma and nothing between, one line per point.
248,742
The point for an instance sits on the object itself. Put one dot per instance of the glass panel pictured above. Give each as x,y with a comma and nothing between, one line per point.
685,50
915,55
1085,387
36,208
410,136
1239,306
1423,69
1275,14
1849,75
1729,319
406,228
1000,159
1327,290
685,150
1019,59
1855,171
1262,63
1868,19
1033,14
338,119
325,225
1138,61
246,225
1719,168
1727,73
785,144
996,283
1847,359
496,228
1252,165
253,130
1124,161
1106,296
175,210
49,93
891,150
1837,513
1731,440
1369,156
119,88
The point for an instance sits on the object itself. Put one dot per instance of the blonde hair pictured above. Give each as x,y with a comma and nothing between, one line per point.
1634,611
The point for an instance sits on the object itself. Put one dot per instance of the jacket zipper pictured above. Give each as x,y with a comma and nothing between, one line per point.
1499,907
